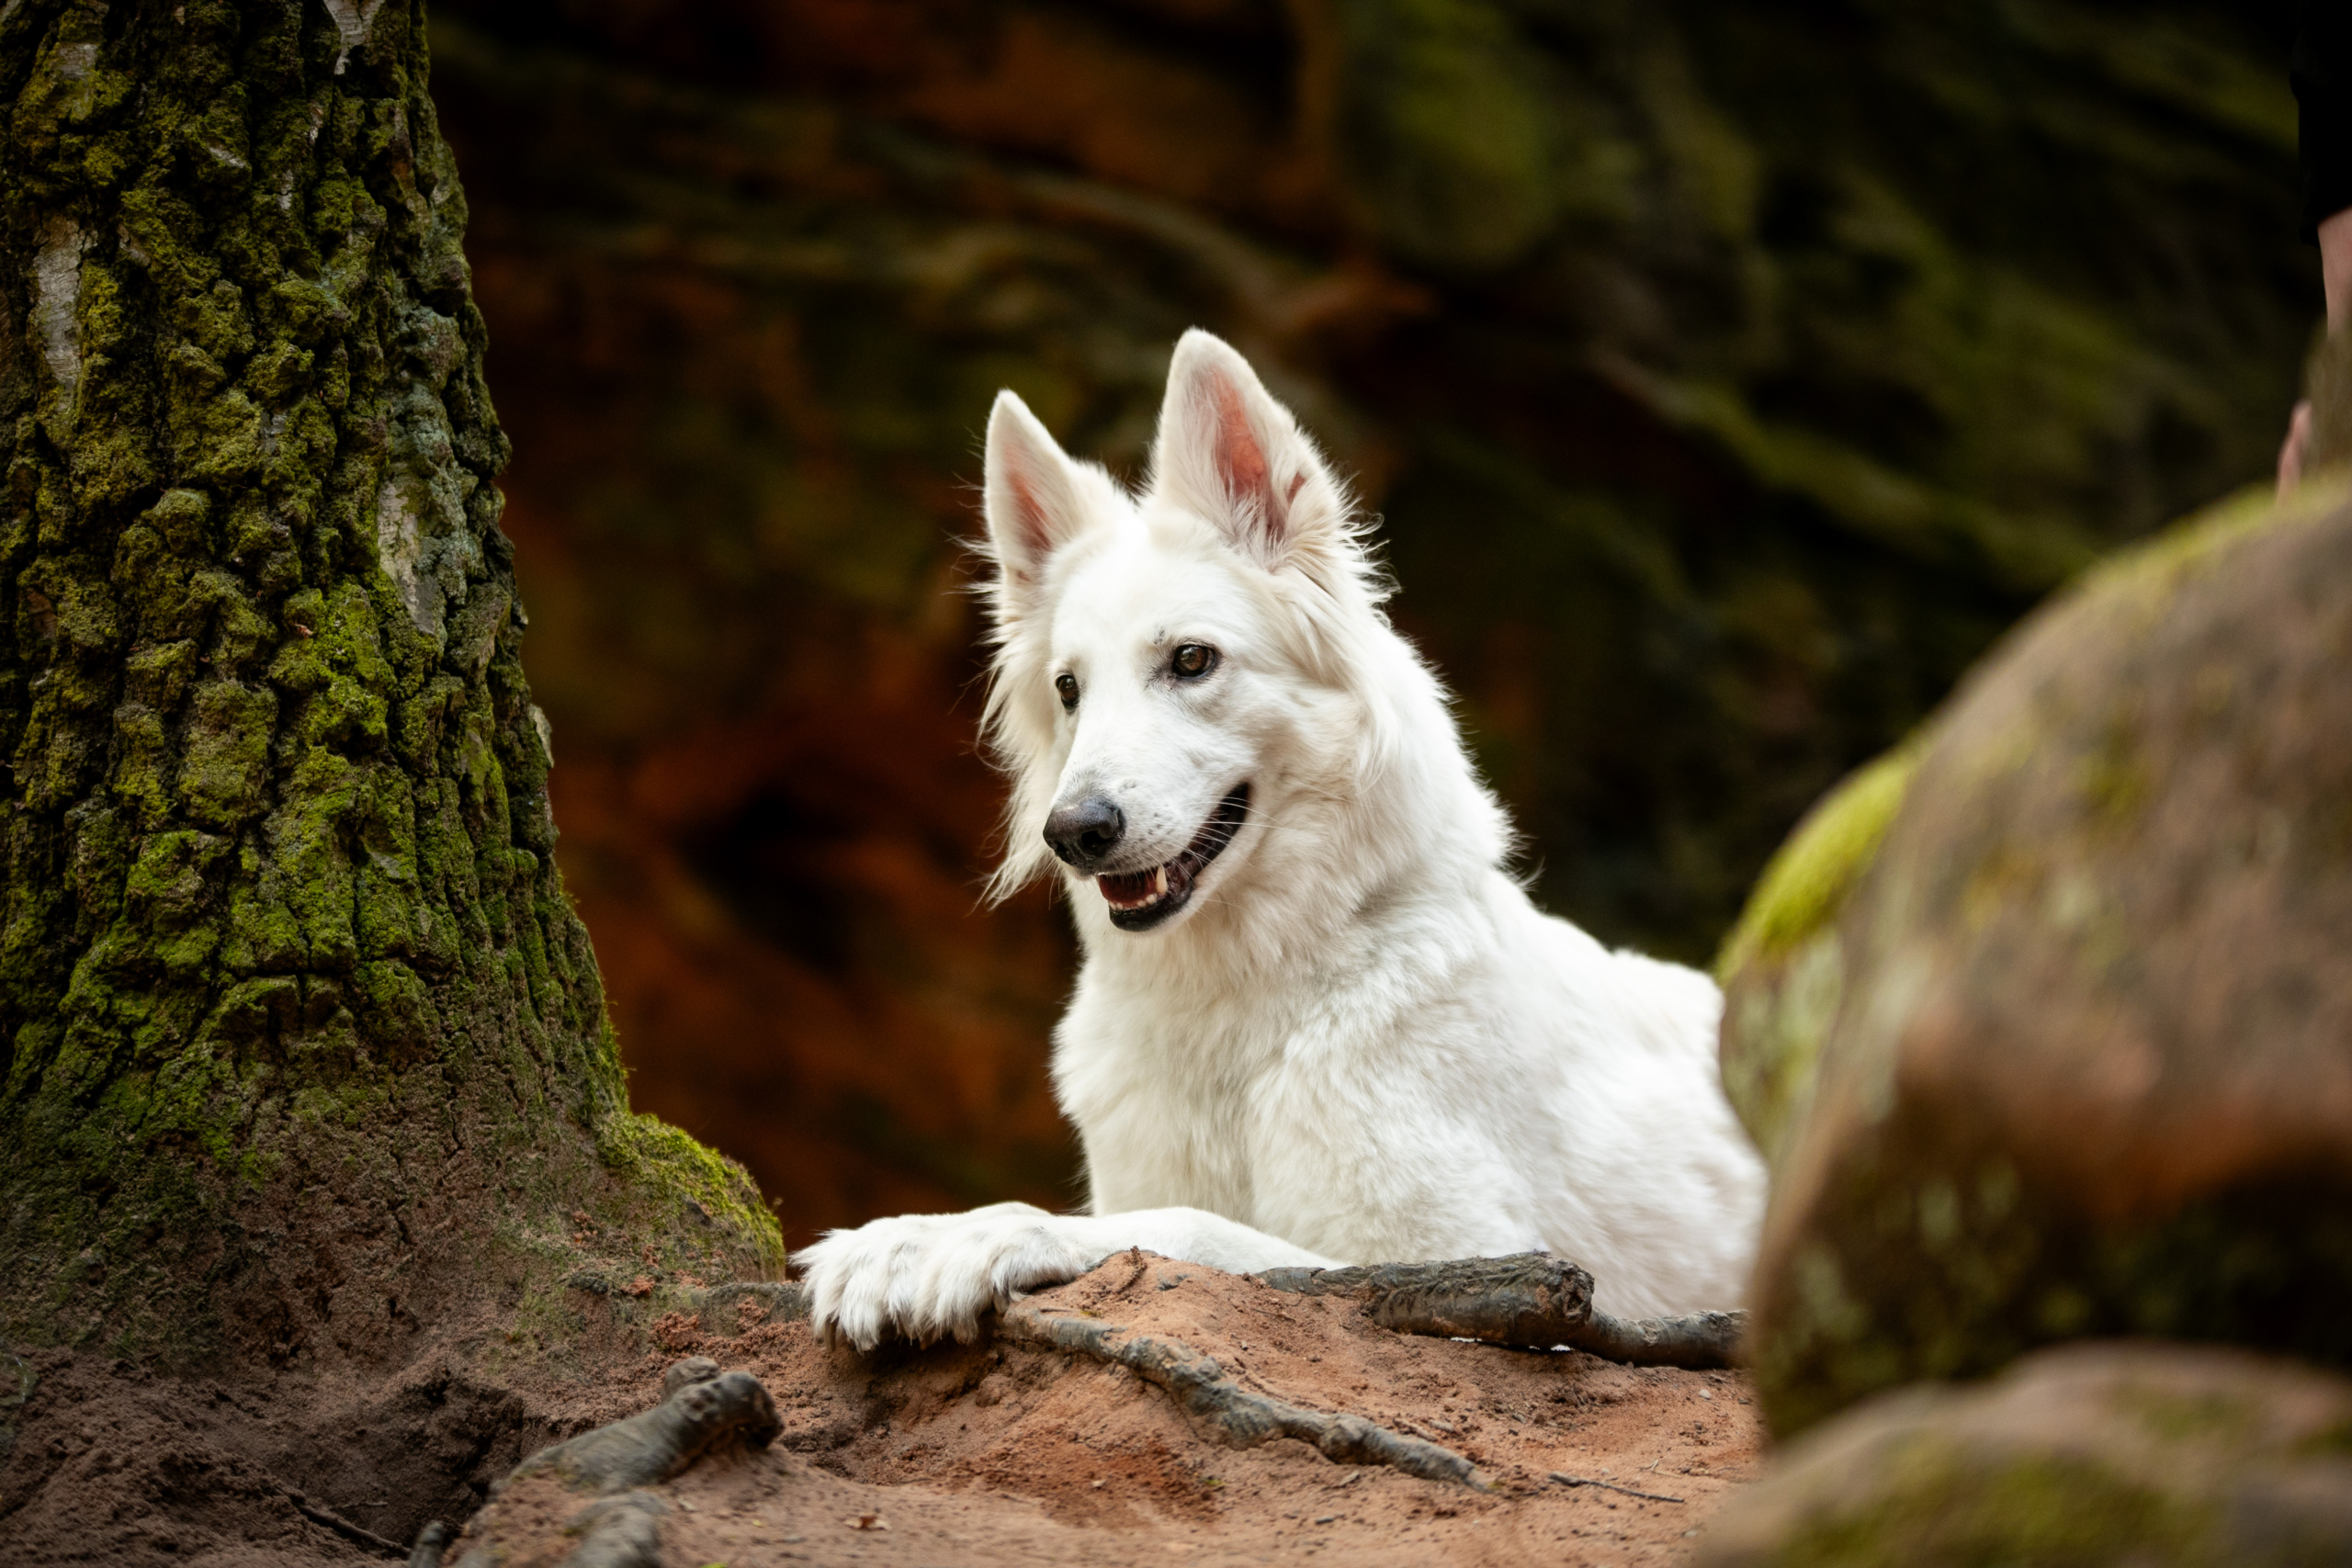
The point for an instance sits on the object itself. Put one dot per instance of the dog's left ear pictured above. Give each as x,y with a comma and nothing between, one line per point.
1230,452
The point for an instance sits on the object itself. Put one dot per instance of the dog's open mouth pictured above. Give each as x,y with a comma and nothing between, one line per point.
1141,899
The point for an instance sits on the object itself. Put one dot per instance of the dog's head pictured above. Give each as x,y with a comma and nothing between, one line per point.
1175,671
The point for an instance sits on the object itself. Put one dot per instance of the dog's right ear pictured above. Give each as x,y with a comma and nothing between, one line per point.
1230,452
1032,497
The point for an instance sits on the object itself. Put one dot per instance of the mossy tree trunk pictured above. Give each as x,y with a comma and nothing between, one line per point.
301,1042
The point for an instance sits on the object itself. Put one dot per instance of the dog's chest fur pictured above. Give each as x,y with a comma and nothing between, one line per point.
1169,1102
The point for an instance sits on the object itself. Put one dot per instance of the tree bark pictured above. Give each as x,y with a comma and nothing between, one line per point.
301,1042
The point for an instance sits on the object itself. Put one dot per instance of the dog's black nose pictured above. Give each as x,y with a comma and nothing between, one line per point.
1084,833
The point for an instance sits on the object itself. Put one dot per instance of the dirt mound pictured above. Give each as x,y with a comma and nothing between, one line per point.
1012,1453
998,1453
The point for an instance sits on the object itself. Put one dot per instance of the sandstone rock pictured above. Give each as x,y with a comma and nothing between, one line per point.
2143,1453
1783,969
2091,1073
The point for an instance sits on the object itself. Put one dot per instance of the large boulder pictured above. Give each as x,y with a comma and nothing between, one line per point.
2156,1455
2091,1068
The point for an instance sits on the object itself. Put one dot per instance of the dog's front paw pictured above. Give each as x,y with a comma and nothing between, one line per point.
920,1276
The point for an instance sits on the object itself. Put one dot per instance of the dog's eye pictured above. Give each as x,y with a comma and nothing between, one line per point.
1192,660
1067,684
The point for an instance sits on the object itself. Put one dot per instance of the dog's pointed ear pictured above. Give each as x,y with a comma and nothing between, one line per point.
1031,495
1230,452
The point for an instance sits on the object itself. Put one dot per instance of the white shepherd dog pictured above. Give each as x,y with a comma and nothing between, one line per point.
1318,1022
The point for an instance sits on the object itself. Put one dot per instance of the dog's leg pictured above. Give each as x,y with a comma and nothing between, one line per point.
921,1275
1196,1235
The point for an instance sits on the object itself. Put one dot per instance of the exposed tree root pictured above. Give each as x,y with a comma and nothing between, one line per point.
704,1407
1530,1298
431,1542
1239,1417
1700,1342
623,1531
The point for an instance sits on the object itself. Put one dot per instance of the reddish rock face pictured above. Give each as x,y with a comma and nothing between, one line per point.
1725,384
2092,1070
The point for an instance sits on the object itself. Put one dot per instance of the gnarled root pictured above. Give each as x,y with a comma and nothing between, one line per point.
1530,1298
704,1409
1238,1417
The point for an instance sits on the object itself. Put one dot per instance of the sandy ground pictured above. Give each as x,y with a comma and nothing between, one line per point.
958,1455
1001,1454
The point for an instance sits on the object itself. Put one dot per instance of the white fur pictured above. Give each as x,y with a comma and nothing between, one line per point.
1358,1041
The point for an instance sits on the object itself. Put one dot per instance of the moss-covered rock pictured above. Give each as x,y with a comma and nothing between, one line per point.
2092,1068
2110,1453
299,1038
1783,969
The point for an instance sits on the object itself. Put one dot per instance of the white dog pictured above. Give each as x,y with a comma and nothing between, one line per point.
1318,1021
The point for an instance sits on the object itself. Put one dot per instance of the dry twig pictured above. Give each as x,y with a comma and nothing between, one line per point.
1566,1480
359,1535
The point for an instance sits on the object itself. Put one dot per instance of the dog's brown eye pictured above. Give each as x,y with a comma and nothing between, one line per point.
1193,660
1067,684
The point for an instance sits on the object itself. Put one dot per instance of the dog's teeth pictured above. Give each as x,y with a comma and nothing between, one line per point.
1159,883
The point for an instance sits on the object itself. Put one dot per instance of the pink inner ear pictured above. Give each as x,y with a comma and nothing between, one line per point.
1247,477
1028,525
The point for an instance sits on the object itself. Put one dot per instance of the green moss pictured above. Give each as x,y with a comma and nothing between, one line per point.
1806,883
1933,1504
2113,779
2151,571
227,758
697,1185
2335,1442
2233,1419
1776,1019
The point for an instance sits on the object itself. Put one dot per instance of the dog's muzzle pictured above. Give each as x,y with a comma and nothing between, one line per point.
1142,899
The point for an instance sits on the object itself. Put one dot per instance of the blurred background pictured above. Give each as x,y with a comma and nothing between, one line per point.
1729,374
